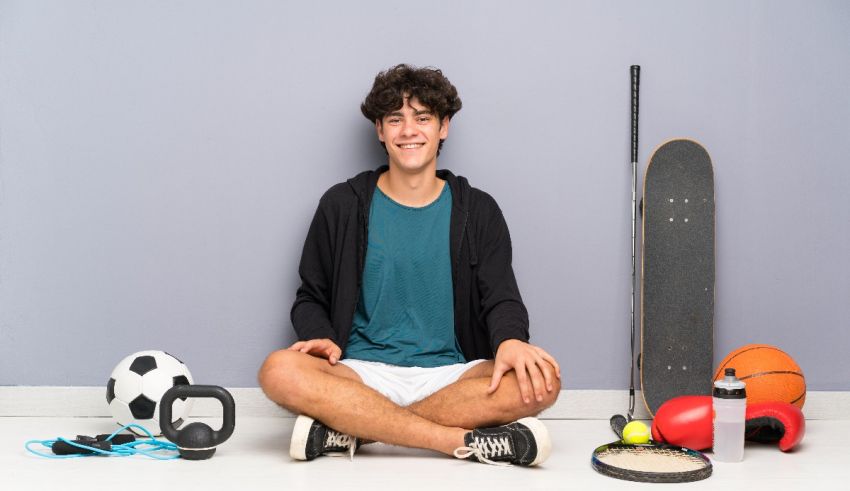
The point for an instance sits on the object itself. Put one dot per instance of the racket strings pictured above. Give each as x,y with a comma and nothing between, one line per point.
651,460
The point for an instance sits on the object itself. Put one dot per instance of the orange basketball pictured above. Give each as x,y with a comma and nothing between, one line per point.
770,374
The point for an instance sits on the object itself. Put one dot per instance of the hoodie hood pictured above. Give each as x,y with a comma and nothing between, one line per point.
364,185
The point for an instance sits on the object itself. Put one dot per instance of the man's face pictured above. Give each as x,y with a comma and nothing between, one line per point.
412,135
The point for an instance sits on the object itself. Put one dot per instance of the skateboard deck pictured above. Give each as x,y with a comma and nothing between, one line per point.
677,295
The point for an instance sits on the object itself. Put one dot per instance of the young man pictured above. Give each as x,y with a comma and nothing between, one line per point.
407,295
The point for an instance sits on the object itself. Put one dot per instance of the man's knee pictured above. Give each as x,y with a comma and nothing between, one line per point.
548,397
278,375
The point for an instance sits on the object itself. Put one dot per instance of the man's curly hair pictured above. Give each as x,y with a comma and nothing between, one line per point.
427,84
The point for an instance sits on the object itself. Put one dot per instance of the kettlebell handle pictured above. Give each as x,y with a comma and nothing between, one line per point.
227,404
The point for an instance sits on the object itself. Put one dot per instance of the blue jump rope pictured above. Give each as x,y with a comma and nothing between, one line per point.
95,446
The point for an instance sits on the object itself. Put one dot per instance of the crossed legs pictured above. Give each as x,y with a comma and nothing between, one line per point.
336,396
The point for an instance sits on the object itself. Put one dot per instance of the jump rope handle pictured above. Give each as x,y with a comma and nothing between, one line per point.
61,447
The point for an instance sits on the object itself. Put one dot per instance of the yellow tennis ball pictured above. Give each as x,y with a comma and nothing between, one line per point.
635,432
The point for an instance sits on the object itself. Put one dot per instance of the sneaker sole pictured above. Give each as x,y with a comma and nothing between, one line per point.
541,439
300,433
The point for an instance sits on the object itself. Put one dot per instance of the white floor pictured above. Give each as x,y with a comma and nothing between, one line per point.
256,457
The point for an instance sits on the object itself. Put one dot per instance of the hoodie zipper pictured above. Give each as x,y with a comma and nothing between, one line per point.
361,254
459,247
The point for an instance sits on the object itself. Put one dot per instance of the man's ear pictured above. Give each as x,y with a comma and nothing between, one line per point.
379,129
444,128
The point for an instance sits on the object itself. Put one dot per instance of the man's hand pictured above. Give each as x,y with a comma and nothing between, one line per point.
323,348
533,373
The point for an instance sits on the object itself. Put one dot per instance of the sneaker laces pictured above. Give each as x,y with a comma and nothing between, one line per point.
337,439
486,448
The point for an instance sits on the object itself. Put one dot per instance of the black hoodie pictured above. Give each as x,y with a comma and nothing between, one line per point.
488,308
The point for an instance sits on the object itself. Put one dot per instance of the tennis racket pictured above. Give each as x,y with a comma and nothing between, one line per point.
650,462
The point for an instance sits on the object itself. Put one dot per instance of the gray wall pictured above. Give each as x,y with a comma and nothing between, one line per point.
160,162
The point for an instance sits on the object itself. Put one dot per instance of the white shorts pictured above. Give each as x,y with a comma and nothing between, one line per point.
406,385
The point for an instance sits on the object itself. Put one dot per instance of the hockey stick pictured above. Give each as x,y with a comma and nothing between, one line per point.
618,421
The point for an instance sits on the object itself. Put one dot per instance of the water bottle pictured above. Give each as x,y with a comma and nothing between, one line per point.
730,407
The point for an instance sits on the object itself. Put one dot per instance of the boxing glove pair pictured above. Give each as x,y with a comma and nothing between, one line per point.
687,421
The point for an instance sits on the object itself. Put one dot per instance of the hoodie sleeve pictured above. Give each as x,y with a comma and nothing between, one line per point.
310,312
501,303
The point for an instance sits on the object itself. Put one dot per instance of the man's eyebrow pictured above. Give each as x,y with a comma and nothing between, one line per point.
417,112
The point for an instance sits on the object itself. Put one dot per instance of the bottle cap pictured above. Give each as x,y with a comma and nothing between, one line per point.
729,387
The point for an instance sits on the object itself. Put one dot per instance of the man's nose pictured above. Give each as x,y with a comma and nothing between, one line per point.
409,127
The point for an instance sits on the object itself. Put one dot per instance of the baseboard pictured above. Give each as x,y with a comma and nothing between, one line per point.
45,401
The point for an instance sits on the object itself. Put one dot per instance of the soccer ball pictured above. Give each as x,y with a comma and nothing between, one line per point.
137,385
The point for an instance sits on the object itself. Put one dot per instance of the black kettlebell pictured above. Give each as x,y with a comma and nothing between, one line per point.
197,441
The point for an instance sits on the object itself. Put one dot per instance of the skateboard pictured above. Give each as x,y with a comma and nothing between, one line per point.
677,294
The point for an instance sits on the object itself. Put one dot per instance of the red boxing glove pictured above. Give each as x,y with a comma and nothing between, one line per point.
769,422
685,421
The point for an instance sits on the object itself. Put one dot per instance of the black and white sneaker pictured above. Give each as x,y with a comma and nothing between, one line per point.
523,442
311,438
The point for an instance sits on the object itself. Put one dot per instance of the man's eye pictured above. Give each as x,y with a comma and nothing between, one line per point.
424,119
394,120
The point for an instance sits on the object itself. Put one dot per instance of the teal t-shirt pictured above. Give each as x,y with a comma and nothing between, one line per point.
405,315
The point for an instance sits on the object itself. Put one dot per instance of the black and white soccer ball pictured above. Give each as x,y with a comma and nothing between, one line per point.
138,383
